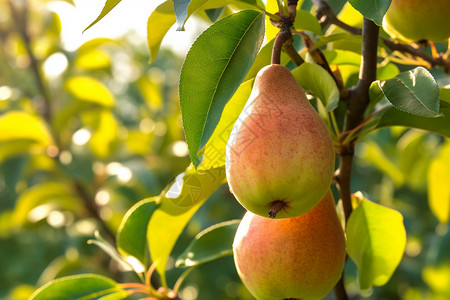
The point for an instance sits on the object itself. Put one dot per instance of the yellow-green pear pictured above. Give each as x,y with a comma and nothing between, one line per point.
415,20
280,155
293,258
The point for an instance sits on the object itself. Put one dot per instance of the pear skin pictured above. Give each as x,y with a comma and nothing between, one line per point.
415,20
294,258
280,155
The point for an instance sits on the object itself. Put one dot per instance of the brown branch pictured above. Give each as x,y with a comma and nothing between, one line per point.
326,17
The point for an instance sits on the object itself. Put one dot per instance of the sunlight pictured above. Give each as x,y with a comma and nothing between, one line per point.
81,137
55,65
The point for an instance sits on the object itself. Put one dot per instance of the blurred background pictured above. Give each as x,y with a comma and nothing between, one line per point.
101,129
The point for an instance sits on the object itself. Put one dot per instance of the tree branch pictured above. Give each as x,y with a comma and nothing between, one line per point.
326,17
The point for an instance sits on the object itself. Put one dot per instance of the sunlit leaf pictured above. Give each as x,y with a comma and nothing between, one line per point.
109,249
444,94
175,210
16,125
394,117
316,79
104,135
90,90
304,20
372,9
210,244
342,57
438,184
415,92
132,232
92,60
215,148
151,92
109,5
270,30
86,287
376,240
213,70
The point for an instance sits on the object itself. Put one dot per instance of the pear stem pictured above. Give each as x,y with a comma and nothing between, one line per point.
277,205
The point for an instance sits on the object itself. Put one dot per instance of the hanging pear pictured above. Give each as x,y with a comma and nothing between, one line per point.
294,258
280,155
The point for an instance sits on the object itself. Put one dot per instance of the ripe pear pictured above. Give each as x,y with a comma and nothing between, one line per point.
415,20
280,155
293,258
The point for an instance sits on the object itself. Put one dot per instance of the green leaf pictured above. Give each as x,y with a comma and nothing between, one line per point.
214,13
210,244
78,287
176,208
132,232
213,70
215,148
304,20
109,5
438,187
314,78
376,240
109,249
415,92
372,9
394,117
342,57
90,90
181,14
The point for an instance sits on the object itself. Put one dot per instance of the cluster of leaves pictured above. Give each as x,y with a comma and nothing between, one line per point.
215,82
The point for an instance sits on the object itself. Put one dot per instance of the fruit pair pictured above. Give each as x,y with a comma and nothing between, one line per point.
280,163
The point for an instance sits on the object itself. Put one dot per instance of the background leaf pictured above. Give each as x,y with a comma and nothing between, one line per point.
376,240
210,244
438,186
304,20
213,70
415,92
87,287
372,9
132,233
90,90
109,5
314,78
394,117
169,219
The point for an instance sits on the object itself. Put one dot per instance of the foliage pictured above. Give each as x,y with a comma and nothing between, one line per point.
86,134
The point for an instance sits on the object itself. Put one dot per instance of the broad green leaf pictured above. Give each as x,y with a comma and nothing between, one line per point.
394,117
215,148
90,90
340,40
116,296
17,125
132,233
181,14
175,210
387,71
213,70
47,196
304,20
438,184
77,287
109,249
109,5
415,92
314,78
376,240
372,9
342,57
210,244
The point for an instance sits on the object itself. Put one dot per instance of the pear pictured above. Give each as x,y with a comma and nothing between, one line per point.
415,20
294,258
280,155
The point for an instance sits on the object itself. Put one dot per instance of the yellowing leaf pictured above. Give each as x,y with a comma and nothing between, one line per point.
151,93
177,206
90,90
105,134
214,151
376,240
18,125
438,184
271,31
93,59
